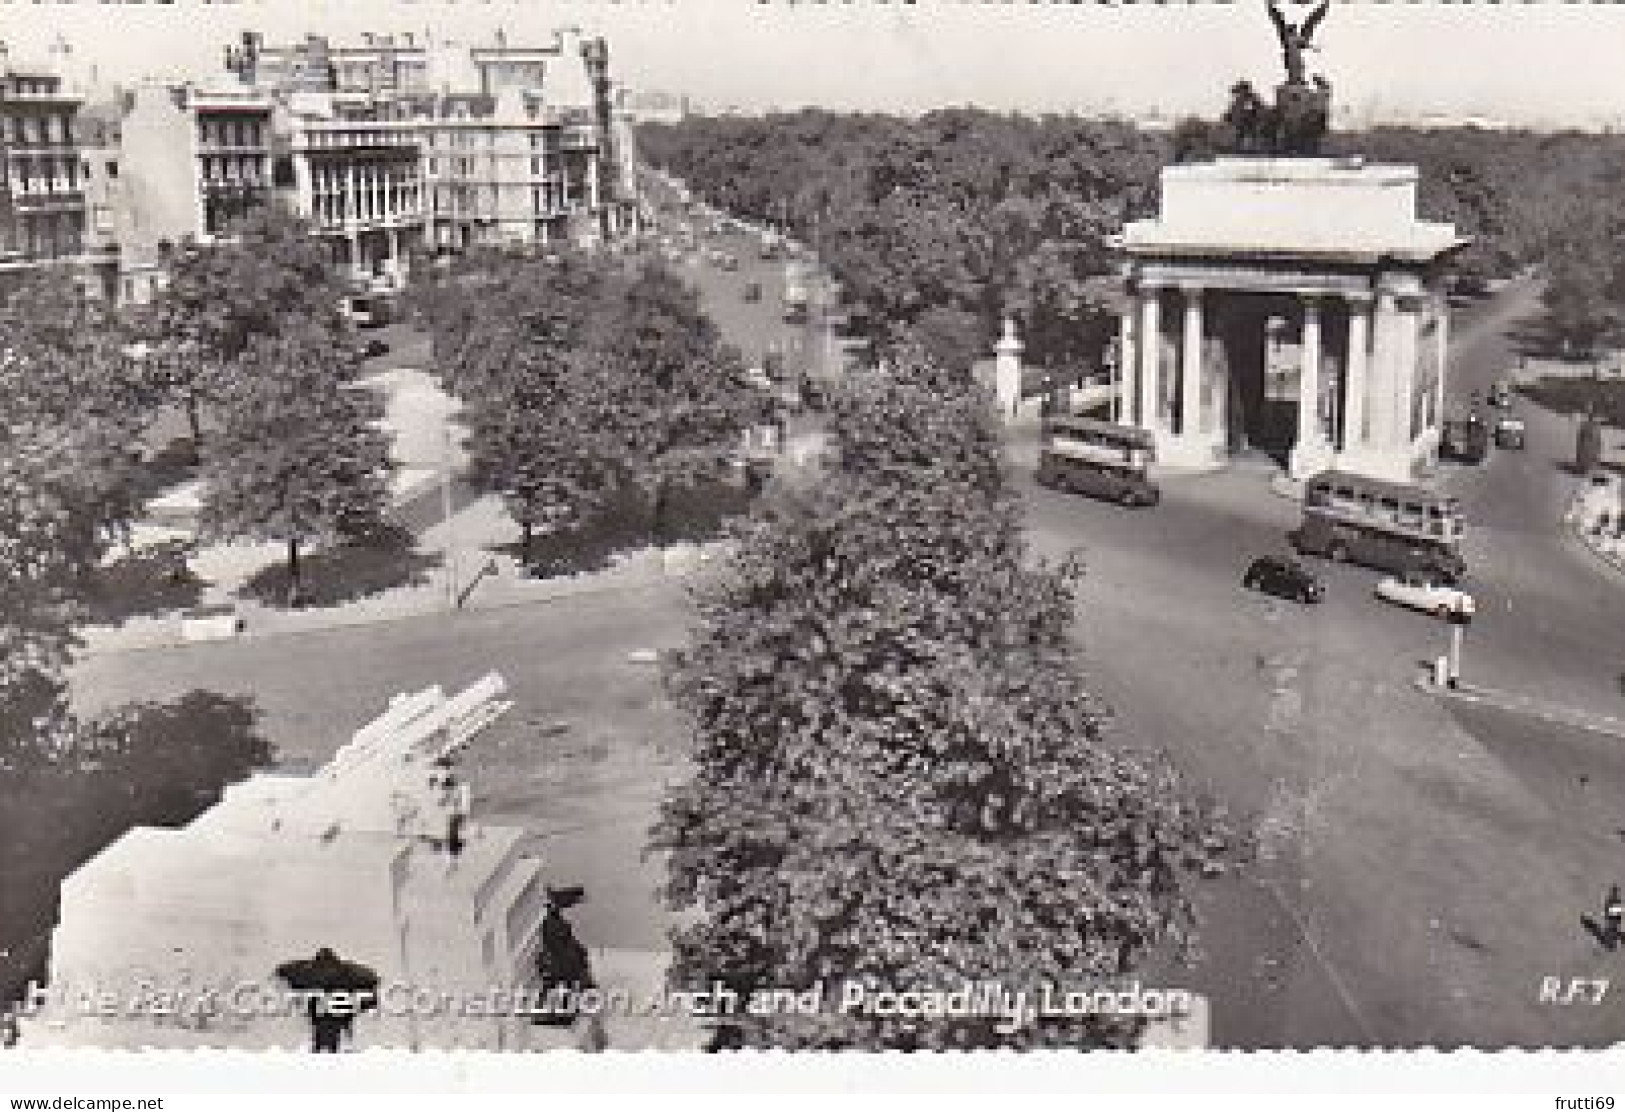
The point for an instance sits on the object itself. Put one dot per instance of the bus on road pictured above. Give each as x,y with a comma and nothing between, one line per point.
1098,458
1395,527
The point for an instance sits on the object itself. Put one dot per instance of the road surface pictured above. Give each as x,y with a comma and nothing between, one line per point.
1425,866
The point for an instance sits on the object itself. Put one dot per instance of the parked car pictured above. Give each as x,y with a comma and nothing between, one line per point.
1420,591
1509,433
728,262
1501,395
1465,440
373,347
1284,577
753,291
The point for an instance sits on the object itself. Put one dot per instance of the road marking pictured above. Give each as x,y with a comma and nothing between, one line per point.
1332,975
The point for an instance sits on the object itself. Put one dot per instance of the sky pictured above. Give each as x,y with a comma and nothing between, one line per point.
1541,63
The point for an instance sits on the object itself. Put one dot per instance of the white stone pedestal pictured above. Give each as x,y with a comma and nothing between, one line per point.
1310,459
1189,453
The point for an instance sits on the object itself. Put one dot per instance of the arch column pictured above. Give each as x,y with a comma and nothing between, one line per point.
1190,365
1311,452
1355,370
1148,392
1122,408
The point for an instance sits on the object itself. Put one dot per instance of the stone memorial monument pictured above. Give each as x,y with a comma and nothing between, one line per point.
1286,303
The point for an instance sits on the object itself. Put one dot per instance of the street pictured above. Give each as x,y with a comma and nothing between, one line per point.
1395,826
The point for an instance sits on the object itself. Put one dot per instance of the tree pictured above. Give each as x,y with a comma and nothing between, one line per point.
266,276
69,384
301,459
530,440
901,781
669,397
39,574
582,378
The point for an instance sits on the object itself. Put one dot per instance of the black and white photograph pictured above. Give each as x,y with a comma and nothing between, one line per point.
712,526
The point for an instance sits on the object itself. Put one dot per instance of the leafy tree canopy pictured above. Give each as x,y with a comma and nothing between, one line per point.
901,779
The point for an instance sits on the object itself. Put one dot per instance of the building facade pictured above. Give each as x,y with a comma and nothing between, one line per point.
190,159
1293,307
357,175
44,212
535,152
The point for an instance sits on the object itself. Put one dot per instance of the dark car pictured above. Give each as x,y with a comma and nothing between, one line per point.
1283,577
373,347
1465,441
753,291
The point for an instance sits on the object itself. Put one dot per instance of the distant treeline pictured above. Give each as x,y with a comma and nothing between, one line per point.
947,221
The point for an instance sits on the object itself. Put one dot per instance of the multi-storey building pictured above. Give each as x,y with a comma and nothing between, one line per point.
390,64
539,154
511,169
43,210
388,147
357,174
190,159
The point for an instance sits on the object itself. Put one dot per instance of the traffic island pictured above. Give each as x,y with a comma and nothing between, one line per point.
1511,702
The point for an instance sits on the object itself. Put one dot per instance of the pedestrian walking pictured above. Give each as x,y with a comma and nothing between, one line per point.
1613,918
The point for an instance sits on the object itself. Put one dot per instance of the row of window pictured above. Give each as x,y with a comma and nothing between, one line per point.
44,168
462,140
234,169
328,179
469,200
540,167
327,140
230,133
29,130
47,236
330,209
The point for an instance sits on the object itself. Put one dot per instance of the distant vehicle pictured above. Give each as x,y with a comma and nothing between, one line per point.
1283,577
1501,395
1395,527
1465,440
728,262
1420,591
373,347
1509,433
795,293
753,291
1099,459
366,310
211,622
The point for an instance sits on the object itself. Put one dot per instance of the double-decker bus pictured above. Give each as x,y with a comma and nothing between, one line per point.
1397,527
1098,458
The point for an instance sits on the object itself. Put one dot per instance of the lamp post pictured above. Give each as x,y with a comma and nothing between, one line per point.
445,515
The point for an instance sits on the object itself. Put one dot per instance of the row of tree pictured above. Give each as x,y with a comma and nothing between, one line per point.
583,377
901,780
949,221
941,224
